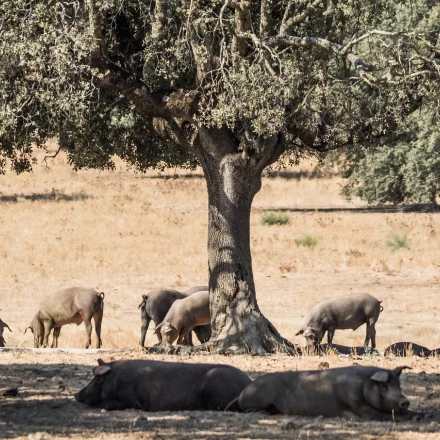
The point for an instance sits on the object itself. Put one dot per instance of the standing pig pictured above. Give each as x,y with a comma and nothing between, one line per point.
156,304
70,306
3,325
342,312
183,316
162,386
367,392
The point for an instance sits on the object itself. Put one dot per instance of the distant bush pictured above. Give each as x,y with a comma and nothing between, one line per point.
274,218
306,240
398,241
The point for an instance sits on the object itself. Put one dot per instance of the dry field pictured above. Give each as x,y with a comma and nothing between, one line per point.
126,234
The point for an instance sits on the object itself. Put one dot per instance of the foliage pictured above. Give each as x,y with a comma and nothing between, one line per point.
306,240
398,241
275,218
408,172
102,76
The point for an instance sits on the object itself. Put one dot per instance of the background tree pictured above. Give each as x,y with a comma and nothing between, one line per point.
407,172
232,85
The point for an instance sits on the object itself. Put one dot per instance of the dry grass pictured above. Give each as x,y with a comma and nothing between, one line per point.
126,234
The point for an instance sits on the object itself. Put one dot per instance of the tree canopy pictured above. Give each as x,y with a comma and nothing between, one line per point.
322,73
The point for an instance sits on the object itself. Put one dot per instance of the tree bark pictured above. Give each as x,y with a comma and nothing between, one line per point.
233,179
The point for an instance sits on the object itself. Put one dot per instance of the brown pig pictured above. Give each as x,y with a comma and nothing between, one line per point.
183,316
70,306
342,312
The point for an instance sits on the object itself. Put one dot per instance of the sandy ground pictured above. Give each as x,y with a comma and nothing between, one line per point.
126,234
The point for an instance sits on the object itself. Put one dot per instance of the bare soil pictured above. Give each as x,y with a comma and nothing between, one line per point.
47,379
126,234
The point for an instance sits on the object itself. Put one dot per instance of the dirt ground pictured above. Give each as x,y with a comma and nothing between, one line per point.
126,234
46,382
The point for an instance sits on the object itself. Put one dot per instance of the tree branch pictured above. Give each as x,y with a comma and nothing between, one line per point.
180,104
288,24
369,34
320,43
265,17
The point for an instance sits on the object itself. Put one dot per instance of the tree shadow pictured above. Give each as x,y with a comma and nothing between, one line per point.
45,403
53,196
384,209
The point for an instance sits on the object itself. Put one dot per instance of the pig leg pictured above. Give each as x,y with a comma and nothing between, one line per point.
371,334
144,327
184,336
88,325
97,317
158,334
330,334
47,328
56,335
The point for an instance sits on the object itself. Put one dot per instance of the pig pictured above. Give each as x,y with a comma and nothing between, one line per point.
342,312
156,304
342,349
356,391
407,349
162,386
183,316
69,306
3,325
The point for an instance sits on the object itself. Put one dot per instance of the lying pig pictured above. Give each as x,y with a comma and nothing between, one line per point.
70,306
367,392
183,316
343,349
407,349
162,386
3,325
156,304
342,312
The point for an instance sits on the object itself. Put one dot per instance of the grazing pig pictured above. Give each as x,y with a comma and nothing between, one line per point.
342,312
367,392
156,304
183,316
3,325
407,349
343,349
162,386
70,306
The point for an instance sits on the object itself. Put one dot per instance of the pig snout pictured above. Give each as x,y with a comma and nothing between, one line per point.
404,403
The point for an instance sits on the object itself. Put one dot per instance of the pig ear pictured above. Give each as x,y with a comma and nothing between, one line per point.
100,361
300,332
27,329
157,330
398,371
380,376
100,370
309,332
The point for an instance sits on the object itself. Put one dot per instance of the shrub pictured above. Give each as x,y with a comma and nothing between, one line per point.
275,218
398,241
307,240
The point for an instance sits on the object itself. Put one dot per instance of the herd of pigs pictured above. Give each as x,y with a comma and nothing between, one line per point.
355,391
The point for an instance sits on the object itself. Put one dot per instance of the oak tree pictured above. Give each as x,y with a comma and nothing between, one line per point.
233,85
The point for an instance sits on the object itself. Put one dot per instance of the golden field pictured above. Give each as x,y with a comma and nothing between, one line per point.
126,234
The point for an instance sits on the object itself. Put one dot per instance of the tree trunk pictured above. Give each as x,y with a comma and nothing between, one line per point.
233,179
